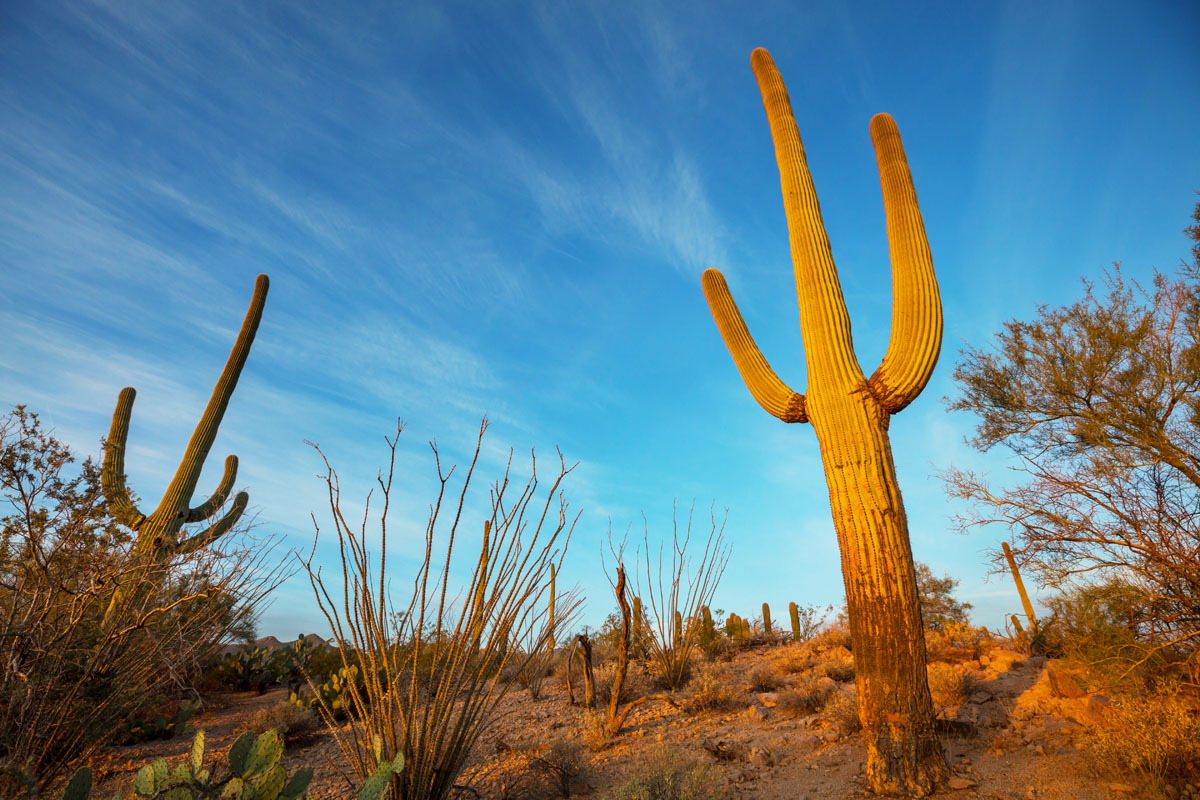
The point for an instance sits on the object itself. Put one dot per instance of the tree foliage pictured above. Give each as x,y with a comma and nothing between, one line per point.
1099,403
68,682
939,607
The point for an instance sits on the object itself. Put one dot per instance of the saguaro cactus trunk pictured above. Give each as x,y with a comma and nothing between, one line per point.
158,534
850,414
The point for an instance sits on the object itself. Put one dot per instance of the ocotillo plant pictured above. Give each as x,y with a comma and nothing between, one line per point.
550,613
850,414
766,609
794,613
158,533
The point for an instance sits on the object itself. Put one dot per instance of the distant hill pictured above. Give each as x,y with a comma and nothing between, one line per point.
268,643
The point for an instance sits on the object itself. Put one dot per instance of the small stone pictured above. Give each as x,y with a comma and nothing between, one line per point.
760,757
958,783
1121,788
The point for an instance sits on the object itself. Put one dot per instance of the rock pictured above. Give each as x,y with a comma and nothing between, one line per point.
760,757
991,715
1002,660
958,783
756,713
768,699
979,697
1121,788
1062,682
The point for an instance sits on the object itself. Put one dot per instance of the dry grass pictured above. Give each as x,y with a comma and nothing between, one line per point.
842,710
292,723
711,690
947,685
764,677
669,775
806,698
840,671
1155,737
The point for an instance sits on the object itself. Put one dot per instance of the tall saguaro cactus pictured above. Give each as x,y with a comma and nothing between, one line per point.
850,414
158,534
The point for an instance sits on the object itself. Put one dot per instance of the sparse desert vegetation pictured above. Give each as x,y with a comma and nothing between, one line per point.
452,664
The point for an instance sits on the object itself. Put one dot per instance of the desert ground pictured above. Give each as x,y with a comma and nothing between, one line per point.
1014,727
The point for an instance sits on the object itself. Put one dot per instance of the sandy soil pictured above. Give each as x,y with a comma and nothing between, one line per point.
1021,740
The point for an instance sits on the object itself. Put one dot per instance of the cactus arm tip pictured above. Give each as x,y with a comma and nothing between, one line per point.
775,396
218,529
112,470
916,337
217,498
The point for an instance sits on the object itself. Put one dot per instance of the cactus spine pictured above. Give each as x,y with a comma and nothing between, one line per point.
794,613
158,533
850,414
1012,565
766,620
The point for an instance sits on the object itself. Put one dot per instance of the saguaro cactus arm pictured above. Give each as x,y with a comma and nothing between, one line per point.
198,541
112,472
775,396
162,526
824,322
184,483
916,337
217,498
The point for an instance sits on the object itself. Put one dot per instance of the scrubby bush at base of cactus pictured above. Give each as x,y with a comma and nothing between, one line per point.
254,773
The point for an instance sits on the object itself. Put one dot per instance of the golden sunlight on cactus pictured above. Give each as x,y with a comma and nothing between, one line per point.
850,414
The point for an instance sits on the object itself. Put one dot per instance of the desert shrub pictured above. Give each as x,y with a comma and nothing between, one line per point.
290,721
810,620
796,660
1153,737
956,641
669,775
842,710
947,685
764,677
1098,625
835,634
562,763
840,671
807,697
75,664
711,690
594,730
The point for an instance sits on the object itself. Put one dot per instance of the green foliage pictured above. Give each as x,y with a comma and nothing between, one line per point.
63,560
939,607
1100,402
254,773
333,696
155,726
1098,624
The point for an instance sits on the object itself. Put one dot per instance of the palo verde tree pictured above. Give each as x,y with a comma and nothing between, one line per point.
850,414
1099,404
939,606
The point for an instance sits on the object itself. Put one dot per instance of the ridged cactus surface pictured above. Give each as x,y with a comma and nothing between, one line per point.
850,415
158,534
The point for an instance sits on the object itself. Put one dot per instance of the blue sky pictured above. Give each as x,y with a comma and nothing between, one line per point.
505,208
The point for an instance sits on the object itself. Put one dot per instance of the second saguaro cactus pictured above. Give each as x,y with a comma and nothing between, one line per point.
850,414
158,533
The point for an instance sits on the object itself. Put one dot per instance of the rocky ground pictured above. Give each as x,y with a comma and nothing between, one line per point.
1015,728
